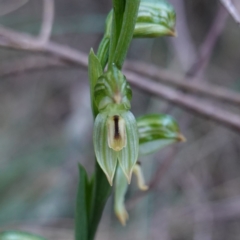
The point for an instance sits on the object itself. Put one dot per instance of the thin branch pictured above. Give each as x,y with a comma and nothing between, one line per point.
22,41
228,4
47,21
199,107
167,77
31,63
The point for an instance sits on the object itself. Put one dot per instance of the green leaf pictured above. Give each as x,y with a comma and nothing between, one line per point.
127,157
101,192
103,51
82,206
157,131
125,37
19,235
94,72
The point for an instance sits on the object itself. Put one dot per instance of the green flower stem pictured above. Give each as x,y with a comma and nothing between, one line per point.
126,34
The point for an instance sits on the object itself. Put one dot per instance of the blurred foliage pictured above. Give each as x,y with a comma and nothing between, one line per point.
46,129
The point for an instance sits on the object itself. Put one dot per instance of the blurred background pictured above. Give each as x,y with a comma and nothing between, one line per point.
46,127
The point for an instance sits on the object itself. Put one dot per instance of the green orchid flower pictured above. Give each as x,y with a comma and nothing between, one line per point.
115,135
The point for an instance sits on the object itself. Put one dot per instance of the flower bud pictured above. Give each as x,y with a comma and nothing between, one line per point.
112,91
157,131
155,18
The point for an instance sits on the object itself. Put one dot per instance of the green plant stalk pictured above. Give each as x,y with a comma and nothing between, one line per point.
124,16
100,188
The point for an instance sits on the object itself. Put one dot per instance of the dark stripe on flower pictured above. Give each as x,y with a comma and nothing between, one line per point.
116,126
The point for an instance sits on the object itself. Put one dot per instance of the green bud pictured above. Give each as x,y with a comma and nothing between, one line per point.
155,18
112,91
157,131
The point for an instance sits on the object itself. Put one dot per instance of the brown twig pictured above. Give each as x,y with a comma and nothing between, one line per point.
167,77
196,106
15,40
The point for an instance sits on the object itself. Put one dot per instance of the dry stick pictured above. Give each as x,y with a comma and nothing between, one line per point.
153,72
199,107
21,41
177,81
228,4
15,40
